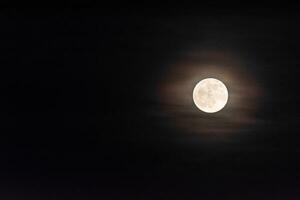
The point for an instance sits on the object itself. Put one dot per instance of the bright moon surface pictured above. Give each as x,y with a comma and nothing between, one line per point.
210,95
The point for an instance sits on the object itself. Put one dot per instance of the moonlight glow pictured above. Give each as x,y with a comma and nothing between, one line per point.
210,95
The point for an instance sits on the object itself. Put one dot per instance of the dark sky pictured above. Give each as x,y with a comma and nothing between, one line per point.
81,117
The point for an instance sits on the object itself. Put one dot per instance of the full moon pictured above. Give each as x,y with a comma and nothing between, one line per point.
210,95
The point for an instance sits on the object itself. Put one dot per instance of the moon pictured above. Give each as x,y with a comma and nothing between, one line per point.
210,95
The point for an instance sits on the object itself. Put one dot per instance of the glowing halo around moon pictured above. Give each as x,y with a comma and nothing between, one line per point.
210,95
178,108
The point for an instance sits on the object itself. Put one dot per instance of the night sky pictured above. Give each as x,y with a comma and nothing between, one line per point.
95,107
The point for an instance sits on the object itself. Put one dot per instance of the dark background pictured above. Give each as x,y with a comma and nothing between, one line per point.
77,87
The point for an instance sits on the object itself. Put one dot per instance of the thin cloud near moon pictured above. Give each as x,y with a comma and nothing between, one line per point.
176,88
